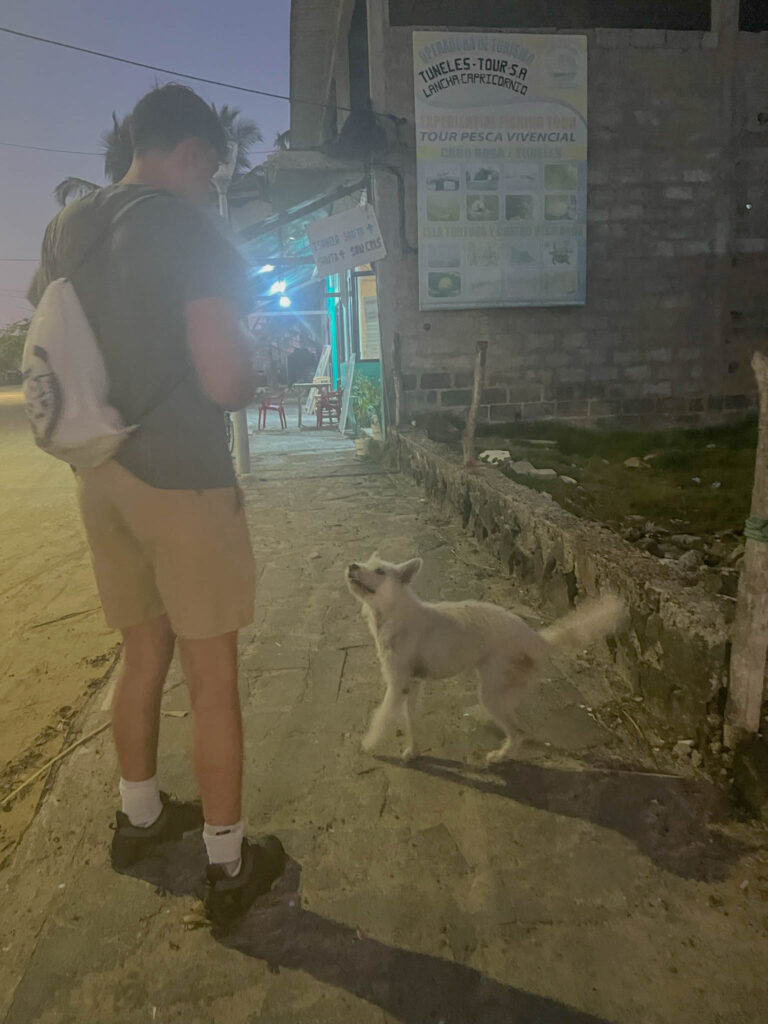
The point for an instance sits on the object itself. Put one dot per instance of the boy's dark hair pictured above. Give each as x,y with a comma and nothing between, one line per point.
170,114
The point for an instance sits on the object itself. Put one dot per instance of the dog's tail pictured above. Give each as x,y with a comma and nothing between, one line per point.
591,621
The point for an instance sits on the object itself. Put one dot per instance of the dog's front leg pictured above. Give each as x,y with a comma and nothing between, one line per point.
381,716
399,700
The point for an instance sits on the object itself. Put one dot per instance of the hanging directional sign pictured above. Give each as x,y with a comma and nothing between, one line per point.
346,240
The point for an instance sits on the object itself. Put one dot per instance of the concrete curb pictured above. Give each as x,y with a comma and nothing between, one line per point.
674,650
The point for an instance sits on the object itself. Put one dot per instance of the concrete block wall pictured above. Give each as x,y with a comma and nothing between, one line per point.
677,265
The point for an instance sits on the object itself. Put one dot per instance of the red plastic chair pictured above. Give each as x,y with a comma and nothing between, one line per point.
272,403
328,404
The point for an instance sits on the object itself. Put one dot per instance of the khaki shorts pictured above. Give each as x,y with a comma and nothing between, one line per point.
184,553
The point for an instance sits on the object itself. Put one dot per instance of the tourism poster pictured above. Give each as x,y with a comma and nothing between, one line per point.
501,146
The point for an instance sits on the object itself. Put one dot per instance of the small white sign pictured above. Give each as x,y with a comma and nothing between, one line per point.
346,240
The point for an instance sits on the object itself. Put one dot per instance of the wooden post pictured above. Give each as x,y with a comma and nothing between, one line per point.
398,397
468,439
397,379
749,639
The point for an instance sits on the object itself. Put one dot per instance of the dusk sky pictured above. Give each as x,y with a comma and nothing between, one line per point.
64,100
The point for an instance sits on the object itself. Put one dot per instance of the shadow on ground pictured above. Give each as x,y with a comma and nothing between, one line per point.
669,819
413,987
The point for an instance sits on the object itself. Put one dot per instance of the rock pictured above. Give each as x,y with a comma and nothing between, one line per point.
683,748
696,758
716,747
750,776
687,541
710,558
712,582
736,554
567,479
540,442
729,582
543,474
650,457
523,467
633,533
716,485
649,545
494,456
636,520
689,560
695,479
635,463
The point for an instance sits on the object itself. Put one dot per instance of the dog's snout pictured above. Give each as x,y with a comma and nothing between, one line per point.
352,566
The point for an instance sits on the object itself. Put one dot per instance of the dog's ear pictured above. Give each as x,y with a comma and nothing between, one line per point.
408,570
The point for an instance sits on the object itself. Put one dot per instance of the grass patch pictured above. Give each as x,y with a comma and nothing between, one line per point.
698,481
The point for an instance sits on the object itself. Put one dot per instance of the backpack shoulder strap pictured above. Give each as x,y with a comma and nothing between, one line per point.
105,233
132,204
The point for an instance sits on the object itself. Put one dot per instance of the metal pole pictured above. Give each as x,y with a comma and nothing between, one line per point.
239,418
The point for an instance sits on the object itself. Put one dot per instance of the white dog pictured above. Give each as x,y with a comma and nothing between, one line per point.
416,640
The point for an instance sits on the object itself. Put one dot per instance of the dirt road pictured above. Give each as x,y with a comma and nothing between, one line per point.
54,646
547,891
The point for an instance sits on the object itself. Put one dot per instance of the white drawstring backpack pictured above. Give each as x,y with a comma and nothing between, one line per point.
65,381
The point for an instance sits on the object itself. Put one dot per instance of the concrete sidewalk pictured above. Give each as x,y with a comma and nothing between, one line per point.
544,892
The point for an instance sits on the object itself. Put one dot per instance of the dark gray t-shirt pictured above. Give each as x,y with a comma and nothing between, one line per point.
133,285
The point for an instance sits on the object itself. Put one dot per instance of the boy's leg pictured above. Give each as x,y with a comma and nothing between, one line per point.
147,655
210,670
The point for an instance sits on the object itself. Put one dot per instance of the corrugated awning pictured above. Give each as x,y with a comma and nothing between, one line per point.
277,248
320,205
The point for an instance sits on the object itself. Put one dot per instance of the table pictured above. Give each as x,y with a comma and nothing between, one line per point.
302,389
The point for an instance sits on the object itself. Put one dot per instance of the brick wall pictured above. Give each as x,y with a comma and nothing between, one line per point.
677,263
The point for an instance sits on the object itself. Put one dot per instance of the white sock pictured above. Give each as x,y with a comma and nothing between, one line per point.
223,843
141,801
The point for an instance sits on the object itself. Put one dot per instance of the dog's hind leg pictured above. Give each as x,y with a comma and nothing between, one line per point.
500,693
409,710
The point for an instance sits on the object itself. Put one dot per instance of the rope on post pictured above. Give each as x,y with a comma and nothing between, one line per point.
756,529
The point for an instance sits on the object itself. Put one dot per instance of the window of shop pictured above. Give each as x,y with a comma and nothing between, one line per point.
753,16
691,15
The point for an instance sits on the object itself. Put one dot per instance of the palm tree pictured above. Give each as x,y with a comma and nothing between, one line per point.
241,130
118,151
118,148
73,188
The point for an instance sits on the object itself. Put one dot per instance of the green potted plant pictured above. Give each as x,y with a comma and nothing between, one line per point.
365,403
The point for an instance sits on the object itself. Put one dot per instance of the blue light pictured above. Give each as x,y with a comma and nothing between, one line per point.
266,269
284,301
